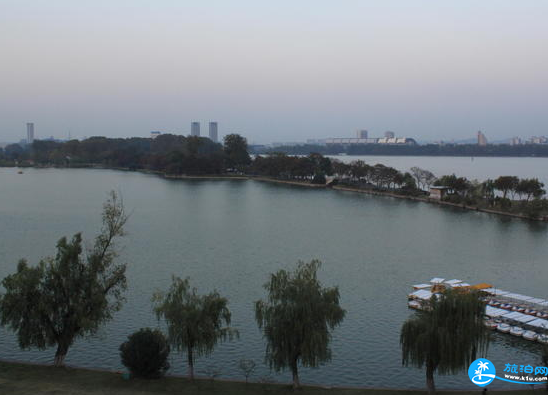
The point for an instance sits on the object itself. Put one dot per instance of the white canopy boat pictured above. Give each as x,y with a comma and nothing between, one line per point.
530,335
516,331
504,328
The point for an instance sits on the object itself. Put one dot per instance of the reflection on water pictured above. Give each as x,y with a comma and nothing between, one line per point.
229,235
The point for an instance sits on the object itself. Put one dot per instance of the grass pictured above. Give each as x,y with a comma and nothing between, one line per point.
25,379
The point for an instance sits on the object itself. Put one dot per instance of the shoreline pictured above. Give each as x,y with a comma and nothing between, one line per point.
255,387
439,203
304,184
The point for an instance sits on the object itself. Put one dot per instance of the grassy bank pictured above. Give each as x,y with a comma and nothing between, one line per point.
26,379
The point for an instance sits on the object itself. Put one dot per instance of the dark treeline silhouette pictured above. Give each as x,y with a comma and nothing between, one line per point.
377,177
314,168
540,150
167,153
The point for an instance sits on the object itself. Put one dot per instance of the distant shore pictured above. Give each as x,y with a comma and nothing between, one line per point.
308,185
466,150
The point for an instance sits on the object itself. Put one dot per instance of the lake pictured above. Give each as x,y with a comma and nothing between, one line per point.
229,235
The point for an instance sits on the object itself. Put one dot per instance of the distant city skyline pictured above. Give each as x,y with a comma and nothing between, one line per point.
195,130
275,71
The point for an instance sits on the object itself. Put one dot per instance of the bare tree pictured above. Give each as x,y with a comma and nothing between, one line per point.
428,178
424,178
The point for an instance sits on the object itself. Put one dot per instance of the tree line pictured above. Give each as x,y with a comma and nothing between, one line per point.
524,196
167,153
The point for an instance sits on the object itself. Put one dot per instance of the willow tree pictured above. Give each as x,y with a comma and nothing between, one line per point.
71,295
297,319
447,336
195,323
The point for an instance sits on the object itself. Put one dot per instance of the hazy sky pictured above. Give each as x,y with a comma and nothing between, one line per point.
274,70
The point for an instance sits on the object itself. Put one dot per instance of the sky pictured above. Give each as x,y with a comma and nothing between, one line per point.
284,70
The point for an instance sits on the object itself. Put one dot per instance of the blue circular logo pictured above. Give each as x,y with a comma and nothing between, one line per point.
482,372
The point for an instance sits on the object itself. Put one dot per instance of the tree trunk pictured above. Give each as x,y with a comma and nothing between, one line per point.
430,378
295,371
190,364
60,354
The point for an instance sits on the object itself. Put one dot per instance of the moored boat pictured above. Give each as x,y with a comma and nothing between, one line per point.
516,331
503,328
517,314
530,335
490,324
414,304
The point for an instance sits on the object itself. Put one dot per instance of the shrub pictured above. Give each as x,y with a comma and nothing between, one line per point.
145,353
535,208
503,203
319,179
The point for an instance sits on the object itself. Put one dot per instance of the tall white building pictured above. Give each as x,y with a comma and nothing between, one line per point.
482,140
195,129
213,129
30,133
361,133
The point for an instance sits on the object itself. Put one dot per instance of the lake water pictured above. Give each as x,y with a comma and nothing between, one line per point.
479,168
229,235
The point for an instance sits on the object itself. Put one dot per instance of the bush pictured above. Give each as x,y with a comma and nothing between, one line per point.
145,353
535,208
319,179
503,203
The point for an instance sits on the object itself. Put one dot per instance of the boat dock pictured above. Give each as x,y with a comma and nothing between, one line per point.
507,312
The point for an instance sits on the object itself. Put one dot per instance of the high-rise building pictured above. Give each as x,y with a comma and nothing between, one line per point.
361,133
482,140
213,127
195,129
389,135
30,133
